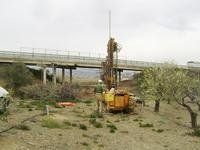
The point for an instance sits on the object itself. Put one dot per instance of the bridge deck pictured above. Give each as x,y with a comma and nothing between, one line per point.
63,60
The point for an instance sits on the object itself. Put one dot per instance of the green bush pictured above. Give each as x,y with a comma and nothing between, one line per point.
96,114
66,122
85,144
196,133
145,125
158,130
112,127
82,126
51,123
95,123
112,130
17,75
74,125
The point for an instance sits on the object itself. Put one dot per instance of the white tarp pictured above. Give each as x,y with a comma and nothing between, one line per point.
3,92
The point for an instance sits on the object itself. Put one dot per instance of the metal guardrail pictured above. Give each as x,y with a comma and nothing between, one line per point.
79,60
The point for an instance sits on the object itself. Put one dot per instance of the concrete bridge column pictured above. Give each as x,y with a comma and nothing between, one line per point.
70,73
54,74
63,75
116,75
44,74
120,77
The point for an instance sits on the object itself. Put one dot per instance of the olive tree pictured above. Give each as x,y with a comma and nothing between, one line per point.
185,92
194,92
152,85
168,82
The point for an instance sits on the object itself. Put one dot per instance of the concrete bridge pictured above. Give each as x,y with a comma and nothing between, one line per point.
68,60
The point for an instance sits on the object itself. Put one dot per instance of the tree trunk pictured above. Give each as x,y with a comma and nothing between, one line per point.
198,106
193,116
157,106
168,101
144,104
193,119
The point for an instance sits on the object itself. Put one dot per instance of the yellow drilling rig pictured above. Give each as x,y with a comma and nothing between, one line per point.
114,98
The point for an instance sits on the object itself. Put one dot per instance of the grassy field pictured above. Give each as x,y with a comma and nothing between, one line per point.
77,128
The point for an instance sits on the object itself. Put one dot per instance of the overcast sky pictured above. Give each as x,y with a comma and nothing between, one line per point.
148,30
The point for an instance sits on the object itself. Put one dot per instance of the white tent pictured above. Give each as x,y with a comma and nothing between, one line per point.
3,92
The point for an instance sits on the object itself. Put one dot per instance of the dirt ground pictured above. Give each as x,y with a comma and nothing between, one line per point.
169,132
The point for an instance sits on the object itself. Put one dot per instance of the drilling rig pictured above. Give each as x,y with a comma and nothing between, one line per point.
109,73
114,98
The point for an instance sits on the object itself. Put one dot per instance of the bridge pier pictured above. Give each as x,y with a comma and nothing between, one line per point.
70,74
63,75
54,74
116,75
44,69
120,78
71,68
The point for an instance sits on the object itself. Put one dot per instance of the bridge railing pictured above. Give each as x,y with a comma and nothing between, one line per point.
50,57
69,58
60,52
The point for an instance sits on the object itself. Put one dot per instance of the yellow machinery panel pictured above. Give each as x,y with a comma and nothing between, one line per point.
117,102
109,97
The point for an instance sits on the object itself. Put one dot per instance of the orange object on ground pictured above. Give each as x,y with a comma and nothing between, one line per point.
64,104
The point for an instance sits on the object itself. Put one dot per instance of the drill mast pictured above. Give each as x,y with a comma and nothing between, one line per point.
109,74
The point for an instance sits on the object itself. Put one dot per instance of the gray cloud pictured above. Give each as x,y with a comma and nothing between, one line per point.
153,30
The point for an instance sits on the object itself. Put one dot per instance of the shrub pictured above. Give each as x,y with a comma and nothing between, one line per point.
17,75
23,127
112,128
85,135
66,122
96,114
92,120
67,91
108,121
88,101
137,119
95,123
4,115
82,126
48,92
39,91
98,125
158,130
74,125
85,143
145,125
195,133
41,104
124,132
51,123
